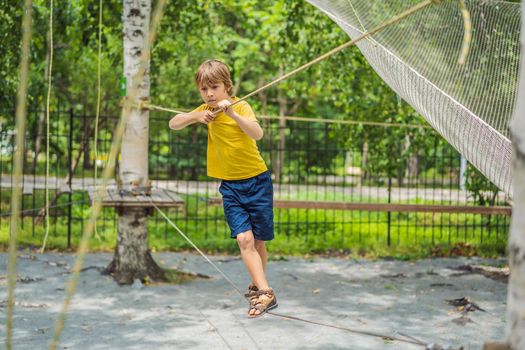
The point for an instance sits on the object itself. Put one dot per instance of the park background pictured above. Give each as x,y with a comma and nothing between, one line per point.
375,150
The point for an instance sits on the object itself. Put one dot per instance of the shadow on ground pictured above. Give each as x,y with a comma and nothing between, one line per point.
393,298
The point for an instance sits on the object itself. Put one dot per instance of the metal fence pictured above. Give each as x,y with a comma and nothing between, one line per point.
330,181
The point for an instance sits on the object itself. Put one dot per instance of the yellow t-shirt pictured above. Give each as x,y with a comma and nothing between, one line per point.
232,155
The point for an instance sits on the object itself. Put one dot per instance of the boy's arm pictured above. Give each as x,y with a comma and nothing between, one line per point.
180,121
250,127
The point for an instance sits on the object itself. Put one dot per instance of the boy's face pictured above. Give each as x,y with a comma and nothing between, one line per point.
213,93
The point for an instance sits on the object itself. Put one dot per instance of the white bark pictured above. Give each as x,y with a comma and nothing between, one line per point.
516,292
134,160
132,259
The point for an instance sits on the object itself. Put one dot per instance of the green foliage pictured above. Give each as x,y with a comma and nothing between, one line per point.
298,232
259,40
480,188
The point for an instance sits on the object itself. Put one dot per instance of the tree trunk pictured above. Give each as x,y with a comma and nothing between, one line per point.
132,259
413,166
402,170
516,292
86,162
364,162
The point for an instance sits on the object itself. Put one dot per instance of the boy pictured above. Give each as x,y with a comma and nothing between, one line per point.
246,186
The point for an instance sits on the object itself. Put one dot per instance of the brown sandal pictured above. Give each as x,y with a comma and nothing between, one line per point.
252,288
262,304
252,296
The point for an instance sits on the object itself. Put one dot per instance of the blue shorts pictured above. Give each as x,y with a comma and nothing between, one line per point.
248,205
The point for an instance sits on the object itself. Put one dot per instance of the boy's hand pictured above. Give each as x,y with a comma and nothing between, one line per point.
204,117
224,105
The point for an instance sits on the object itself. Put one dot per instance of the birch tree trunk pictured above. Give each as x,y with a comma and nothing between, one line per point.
516,292
132,259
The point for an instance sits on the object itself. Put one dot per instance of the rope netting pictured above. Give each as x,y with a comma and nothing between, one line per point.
469,104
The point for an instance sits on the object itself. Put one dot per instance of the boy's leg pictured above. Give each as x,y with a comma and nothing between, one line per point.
254,262
260,246
252,259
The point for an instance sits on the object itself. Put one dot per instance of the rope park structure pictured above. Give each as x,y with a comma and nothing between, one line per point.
470,111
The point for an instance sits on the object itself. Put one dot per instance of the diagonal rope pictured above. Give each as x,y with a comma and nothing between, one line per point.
215,328
197,248
359,20
324,56
21,114
49,84
108,171
409,340
158,108
356,15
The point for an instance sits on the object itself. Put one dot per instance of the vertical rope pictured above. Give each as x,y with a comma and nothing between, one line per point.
97,115
21,113
49,83
106,174
467,35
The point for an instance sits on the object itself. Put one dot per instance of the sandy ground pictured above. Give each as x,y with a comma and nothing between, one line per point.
387,297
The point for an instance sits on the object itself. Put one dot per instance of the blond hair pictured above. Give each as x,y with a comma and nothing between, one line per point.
212,72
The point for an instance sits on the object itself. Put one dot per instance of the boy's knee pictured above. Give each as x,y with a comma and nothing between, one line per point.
245,240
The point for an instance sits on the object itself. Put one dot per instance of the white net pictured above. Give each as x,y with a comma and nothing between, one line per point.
470,105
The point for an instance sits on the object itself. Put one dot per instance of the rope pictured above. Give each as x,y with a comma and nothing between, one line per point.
21,113
332,52
315,120
108,171
372,42
158,108
196,248
467,34
97,113
49,83
356,15
351,122
99,90
409,340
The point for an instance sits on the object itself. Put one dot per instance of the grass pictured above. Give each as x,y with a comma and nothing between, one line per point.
299,232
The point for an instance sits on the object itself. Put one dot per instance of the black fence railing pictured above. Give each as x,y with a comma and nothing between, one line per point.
333,182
